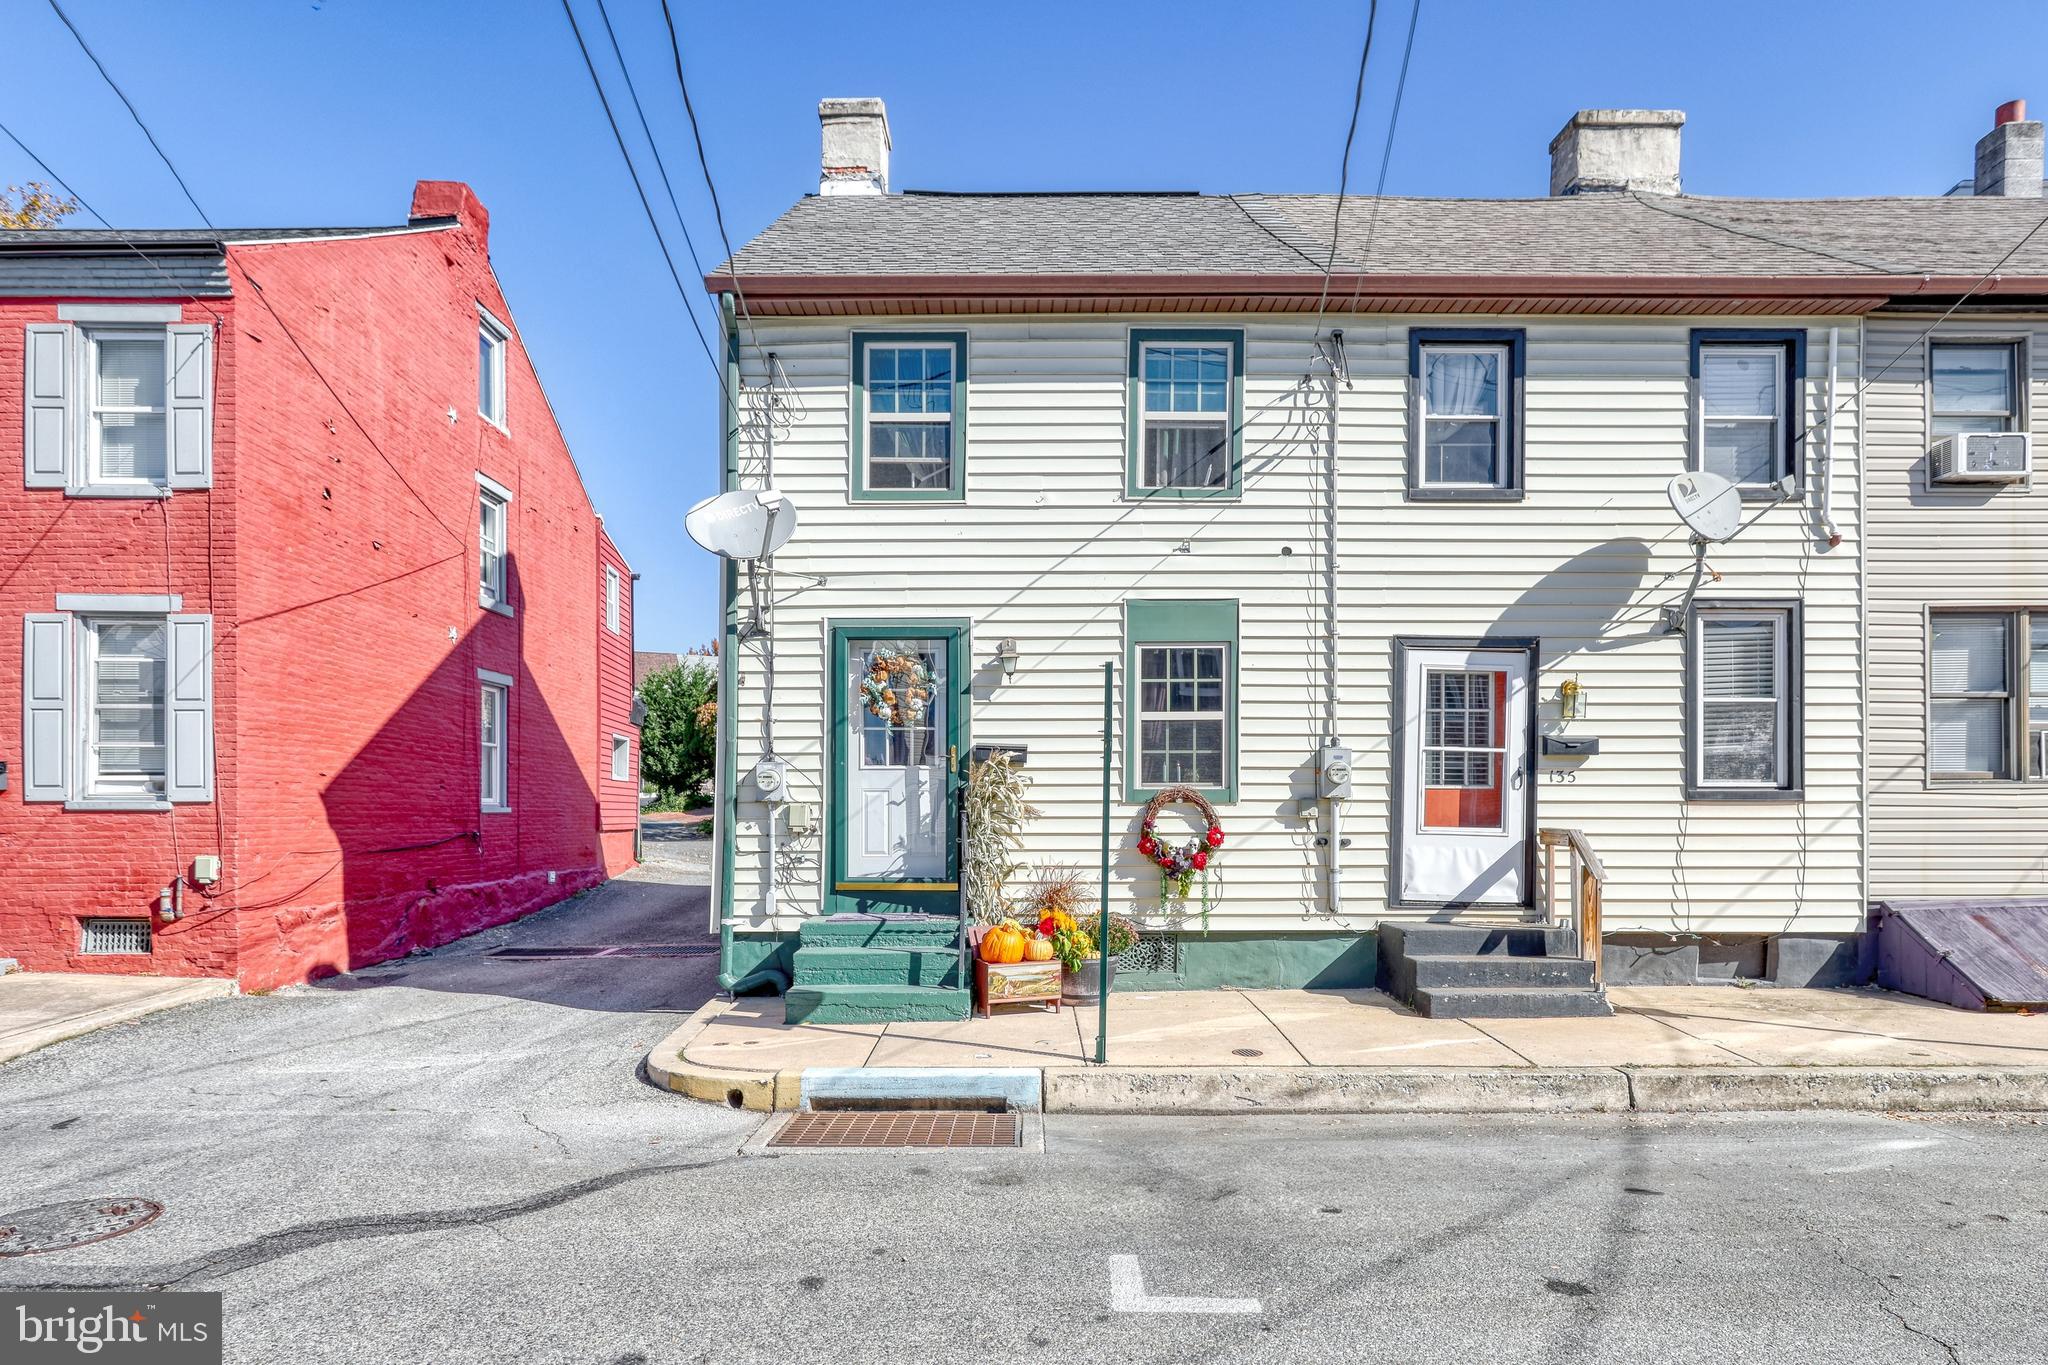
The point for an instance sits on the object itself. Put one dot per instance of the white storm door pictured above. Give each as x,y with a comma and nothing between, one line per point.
897,800
1465,774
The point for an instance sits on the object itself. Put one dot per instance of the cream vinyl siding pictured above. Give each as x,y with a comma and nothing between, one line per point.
1944,547
1046,548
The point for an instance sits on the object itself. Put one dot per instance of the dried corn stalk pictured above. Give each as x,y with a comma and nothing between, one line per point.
996,815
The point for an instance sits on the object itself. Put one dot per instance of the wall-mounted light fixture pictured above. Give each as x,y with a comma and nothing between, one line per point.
1006,655
1571,700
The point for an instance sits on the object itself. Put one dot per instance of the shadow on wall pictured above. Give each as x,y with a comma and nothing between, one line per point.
1595,592
420,862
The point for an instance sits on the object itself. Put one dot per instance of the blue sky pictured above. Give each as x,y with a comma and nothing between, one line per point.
294,112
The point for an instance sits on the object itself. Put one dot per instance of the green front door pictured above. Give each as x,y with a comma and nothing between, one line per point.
900,693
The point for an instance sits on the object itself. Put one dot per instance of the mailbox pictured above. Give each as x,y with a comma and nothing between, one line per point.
1561,746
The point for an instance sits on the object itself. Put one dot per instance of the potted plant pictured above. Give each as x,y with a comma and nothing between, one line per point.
1090,971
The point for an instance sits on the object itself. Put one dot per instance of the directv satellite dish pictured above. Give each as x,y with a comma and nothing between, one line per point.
1708,503
746,524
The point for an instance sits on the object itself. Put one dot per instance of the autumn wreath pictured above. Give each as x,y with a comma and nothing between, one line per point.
896,688
1180,867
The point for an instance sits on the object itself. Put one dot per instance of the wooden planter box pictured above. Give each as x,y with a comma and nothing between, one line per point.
1016,983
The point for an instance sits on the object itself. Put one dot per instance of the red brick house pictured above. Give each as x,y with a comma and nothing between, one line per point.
323,653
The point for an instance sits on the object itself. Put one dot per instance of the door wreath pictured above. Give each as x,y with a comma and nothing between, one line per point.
1182,867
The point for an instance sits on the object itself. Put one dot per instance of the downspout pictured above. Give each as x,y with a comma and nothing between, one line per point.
1827,458
727,764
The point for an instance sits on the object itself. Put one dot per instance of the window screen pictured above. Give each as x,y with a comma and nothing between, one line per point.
1974,387
1969,680
128,399
1741,394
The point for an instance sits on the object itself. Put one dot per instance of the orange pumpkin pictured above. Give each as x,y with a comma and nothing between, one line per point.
1003,943
1038,948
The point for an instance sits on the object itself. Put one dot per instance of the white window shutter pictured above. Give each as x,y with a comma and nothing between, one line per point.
188,706
188,369
46,706
46,405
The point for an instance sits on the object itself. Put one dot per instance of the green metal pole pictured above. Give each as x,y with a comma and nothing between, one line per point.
1102,900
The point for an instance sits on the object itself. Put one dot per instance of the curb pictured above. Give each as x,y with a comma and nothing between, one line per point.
1366,1090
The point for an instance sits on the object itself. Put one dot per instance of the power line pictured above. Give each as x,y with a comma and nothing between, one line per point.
113,85
717,210
1379,191
1344,167
646,206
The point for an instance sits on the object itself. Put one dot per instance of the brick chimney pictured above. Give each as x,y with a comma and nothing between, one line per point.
855,153
451,199
2009,156
1616,149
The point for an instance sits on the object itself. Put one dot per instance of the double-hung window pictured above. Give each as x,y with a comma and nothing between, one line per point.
1744,701
1466,385
611,599
910,394
495,690
1974,386
492,339
622,759
127,404
125,669
1182,697
1186,411
1746,405
1987,695
493,502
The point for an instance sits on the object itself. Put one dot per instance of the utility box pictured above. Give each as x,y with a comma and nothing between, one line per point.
206,869
1333,772
771,780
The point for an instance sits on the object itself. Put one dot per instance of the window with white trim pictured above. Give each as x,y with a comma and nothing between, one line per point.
1987,695
123,670
491,341
1744,701
611,599
910,415
491,736
126,401
1740,413
118,403
491,524
1464,426
1184,414
622,759
1974,386
1183,715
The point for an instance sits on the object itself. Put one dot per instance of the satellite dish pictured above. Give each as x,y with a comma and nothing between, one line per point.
745,524
1706,502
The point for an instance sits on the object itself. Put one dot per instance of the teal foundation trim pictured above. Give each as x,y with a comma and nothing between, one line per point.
759,959
1256,961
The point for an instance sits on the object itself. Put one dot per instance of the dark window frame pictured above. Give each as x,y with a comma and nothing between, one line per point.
1513,420
1792,782
1791,452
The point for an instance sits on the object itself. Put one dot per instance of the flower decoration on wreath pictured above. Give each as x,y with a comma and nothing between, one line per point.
1181,866
897,688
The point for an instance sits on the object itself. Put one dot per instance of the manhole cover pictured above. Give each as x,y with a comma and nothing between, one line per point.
1246,1052
73,1223
926,1128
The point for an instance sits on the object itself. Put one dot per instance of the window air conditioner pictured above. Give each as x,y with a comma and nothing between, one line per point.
1982,457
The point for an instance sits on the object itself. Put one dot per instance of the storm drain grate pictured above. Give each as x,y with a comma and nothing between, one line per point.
927,1128
73,1223
102,936
550,952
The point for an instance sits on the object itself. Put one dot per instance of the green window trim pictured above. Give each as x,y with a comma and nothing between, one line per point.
1134,396
1162,622
856,475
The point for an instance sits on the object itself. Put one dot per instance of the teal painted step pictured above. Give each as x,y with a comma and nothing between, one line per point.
872,1004
880,931
818,965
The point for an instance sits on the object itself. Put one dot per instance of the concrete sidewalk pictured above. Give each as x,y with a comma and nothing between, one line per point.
40,1008
1665,1048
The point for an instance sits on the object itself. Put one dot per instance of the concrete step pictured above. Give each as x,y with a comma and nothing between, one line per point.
1475,940
880,931
819,965
873,1004
1443,970
1511,1002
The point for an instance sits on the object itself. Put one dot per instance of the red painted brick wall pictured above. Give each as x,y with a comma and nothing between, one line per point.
67,865
619,802
343,578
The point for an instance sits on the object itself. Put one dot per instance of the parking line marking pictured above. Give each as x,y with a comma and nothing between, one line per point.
1127,1294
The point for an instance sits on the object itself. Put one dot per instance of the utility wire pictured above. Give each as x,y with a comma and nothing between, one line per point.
717,210
646,206
1379,192
1344,167
116,88
147,260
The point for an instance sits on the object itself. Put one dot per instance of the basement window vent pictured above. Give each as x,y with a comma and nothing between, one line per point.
103,936
1153,952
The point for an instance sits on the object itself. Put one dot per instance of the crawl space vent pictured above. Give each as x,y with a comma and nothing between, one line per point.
99,936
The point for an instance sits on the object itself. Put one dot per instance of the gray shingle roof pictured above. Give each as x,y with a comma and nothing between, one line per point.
166,262
1279,235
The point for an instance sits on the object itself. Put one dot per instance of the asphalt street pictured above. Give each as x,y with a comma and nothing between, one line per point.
452,1158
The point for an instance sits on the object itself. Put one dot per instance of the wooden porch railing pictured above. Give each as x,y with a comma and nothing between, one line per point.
1588,878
